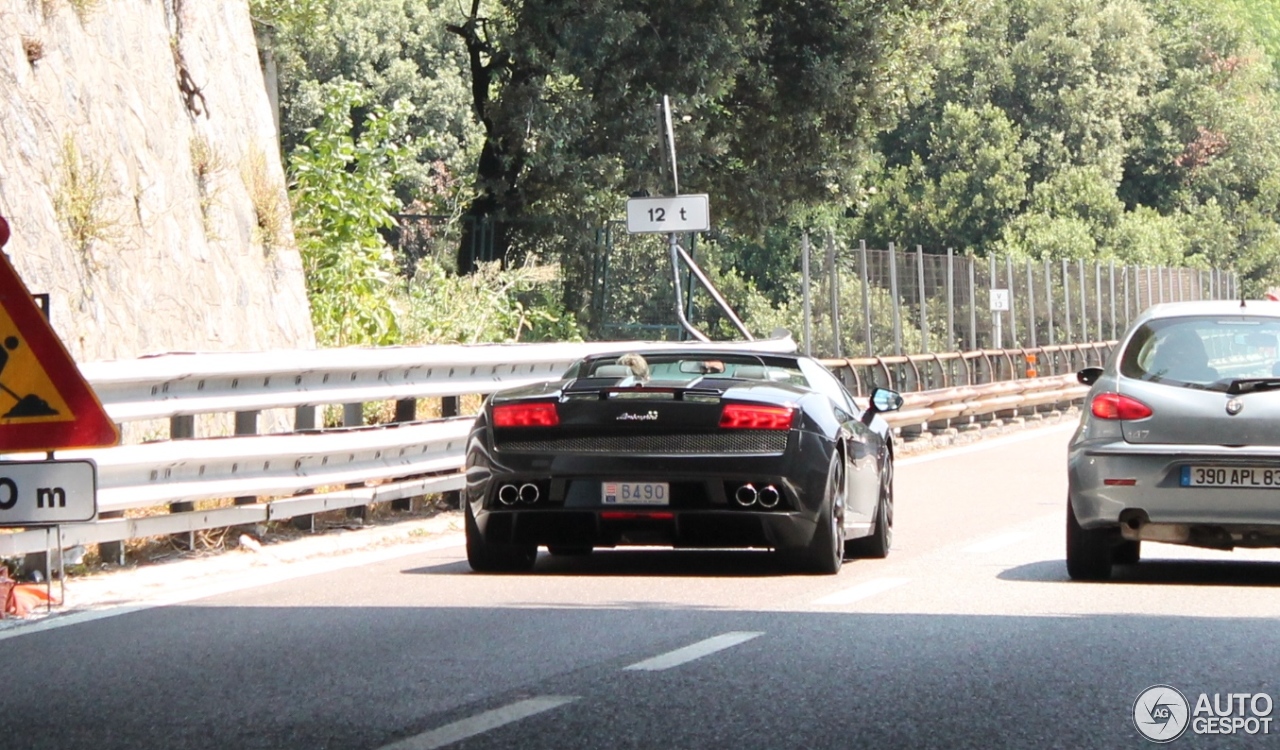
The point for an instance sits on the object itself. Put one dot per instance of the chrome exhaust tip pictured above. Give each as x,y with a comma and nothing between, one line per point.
508,494
769,497
529,493
746,495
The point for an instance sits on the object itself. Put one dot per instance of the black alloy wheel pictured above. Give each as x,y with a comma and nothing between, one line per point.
486,557
825,553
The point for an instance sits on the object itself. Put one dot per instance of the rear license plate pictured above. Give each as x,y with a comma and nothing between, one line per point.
635,493
1248,477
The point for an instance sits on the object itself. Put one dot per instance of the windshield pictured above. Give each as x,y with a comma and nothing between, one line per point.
1215,353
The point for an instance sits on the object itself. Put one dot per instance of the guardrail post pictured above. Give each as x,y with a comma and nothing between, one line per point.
183,427
450,406
304,418
406,411
353,416
246,424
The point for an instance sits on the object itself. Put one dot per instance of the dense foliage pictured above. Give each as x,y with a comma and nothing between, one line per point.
1140,130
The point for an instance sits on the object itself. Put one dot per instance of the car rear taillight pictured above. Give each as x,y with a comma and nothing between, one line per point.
540,414
753,417
1117,406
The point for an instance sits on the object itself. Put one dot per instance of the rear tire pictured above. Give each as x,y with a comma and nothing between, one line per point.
1088,550
877,545
1128,552
825,553
485,557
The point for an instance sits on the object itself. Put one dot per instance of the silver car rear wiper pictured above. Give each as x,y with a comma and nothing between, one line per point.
1252,385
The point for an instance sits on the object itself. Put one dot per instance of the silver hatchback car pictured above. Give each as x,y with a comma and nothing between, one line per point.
1180,437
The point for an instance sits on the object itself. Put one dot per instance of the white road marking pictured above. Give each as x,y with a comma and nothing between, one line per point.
480,723
986,444
862,591
998,542
696,651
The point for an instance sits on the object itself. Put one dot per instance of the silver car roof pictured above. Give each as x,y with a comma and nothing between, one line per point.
1262,308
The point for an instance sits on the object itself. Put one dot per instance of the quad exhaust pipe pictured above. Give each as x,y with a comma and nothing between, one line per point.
767,497
510,494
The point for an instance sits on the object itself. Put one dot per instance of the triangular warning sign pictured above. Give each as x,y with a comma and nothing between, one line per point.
45,403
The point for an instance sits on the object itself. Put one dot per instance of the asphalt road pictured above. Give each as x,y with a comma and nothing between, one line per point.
968,635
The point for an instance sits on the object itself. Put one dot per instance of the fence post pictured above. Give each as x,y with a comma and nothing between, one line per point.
951,299
997,338
1084,303
804,292
835,292
1066,299
1013,302
1125,273
973,308
1097,296
924,322
1031,305
894,301
866,297
1048,296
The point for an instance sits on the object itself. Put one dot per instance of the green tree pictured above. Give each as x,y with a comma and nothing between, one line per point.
342,193
776,101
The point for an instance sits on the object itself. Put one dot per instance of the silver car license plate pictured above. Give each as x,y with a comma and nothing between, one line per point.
635,493
1246,477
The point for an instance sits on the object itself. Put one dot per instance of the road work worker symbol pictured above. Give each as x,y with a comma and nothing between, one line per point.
29,404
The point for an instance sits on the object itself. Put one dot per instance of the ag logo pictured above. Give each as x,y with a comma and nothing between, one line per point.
1161,713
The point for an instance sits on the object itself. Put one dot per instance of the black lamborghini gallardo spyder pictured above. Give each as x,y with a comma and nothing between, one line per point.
681,448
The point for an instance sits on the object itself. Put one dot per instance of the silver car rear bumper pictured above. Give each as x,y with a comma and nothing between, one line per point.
1157,496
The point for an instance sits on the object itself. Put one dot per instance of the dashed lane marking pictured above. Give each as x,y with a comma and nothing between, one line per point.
861,591
695,651
481,723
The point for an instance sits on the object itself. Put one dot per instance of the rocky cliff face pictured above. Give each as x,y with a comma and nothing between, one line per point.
140,173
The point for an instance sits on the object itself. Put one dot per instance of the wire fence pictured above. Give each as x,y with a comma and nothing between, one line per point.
900,301
854,301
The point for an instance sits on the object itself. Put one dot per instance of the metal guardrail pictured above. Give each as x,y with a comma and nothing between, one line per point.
286,475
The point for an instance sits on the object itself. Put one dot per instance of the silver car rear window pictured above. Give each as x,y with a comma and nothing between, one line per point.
1204,352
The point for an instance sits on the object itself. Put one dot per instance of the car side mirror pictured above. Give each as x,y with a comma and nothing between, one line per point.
883,399
1089,375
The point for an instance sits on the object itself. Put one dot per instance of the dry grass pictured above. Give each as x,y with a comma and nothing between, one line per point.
80,198
268,198
206,164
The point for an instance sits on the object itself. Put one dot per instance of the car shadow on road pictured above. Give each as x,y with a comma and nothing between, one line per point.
1174,572
643,563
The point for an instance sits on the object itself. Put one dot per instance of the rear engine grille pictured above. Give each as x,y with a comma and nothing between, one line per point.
746,441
